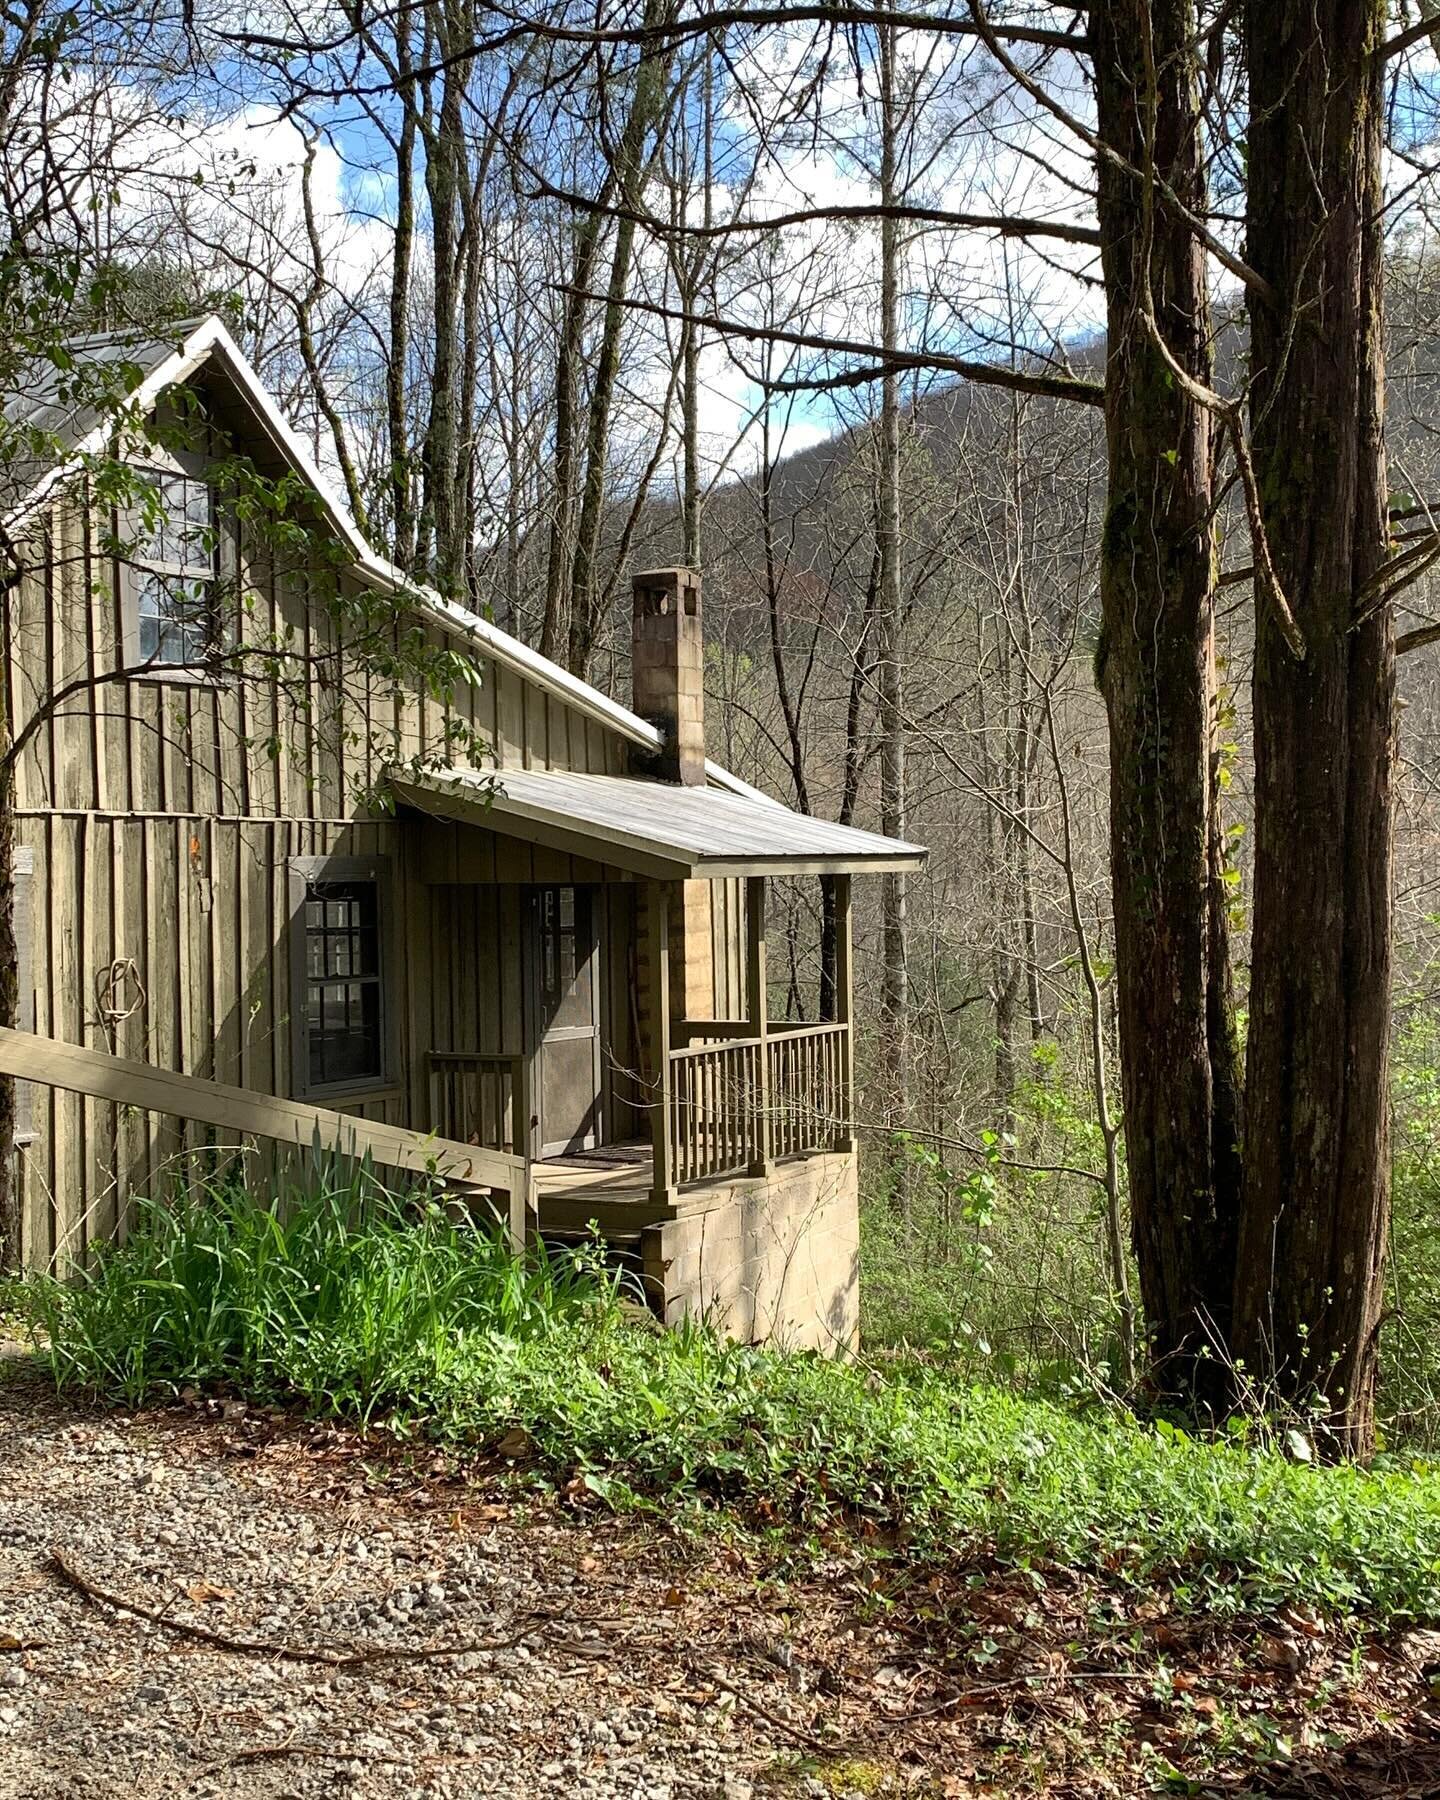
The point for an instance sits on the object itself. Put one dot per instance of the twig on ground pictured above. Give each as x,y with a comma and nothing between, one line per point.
993,1690
304,1653
824,1746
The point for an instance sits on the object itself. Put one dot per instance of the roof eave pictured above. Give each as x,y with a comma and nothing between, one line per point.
720,868
494,809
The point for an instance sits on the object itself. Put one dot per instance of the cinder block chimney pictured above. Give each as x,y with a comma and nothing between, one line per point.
668,671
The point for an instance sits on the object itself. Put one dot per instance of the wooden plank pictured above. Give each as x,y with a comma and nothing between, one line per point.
845,1010
658,911
510,746
758,1006
79,1070
40,1232
100,951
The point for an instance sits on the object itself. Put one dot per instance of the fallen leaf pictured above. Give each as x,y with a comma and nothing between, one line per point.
1280,1652
204,1592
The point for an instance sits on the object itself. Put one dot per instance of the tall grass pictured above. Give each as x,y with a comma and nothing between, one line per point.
336,1289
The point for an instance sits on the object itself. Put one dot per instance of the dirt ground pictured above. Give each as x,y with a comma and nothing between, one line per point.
213,1602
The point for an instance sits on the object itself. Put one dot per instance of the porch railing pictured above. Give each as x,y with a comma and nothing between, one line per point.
734,1104
723,1120
809,1109
481,1099
715,1119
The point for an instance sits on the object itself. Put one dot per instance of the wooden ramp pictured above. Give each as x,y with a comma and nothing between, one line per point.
81,1070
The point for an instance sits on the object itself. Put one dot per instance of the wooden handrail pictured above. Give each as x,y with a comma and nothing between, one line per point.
81,1070
683,1032
786,1034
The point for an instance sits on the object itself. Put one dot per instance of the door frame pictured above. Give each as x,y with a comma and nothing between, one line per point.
535,1037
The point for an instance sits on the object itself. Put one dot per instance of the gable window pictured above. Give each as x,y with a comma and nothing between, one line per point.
174,574
341,1036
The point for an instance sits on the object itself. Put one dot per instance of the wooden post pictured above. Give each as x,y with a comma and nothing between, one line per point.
524,1204
658,907
845,1009
757,1006
522,1121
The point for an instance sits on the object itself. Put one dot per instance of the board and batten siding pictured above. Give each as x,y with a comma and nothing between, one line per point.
160,816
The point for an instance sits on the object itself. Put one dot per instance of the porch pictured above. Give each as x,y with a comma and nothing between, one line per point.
724,1127
614,930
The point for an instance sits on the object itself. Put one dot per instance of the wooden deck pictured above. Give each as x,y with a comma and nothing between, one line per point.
615,1186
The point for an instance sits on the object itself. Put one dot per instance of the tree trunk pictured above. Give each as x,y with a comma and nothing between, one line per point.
568,358
861,679
11,1236
632,166
894,889
1312,1240
445,170
397,383
1155,667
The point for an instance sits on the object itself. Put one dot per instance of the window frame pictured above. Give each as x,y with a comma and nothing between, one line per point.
303,872
158,464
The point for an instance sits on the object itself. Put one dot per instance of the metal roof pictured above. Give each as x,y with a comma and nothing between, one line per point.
63,401
654,827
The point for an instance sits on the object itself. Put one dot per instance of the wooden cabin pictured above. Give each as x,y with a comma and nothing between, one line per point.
516,915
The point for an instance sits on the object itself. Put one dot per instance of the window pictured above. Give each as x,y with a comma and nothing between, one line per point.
174,574
340,1040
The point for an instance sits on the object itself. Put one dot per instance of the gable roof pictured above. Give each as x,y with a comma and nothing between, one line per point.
159,361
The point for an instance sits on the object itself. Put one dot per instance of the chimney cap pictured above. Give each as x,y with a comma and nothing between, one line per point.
655,589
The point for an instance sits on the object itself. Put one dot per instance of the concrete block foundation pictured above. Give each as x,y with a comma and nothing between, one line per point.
775,1260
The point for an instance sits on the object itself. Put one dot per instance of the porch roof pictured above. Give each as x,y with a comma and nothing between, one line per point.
654,827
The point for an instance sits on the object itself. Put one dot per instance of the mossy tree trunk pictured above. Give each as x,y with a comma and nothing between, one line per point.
1311,1250
1155,666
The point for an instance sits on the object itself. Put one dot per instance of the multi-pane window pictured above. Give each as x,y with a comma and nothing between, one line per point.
175,573
344,1005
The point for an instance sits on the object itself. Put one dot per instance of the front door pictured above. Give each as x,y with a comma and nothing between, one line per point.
565,1014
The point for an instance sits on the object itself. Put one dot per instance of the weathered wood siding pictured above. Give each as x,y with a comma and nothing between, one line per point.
161,816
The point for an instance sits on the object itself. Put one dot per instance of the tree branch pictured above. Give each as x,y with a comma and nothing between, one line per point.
920,215
1050,387
1417,639
1408,38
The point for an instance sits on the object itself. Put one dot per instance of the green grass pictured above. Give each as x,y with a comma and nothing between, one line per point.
363,1304
358,1299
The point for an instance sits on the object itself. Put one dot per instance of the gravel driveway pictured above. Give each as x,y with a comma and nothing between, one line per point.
593,1670
200,1605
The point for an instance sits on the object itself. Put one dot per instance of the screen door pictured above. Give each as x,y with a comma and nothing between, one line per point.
565,991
